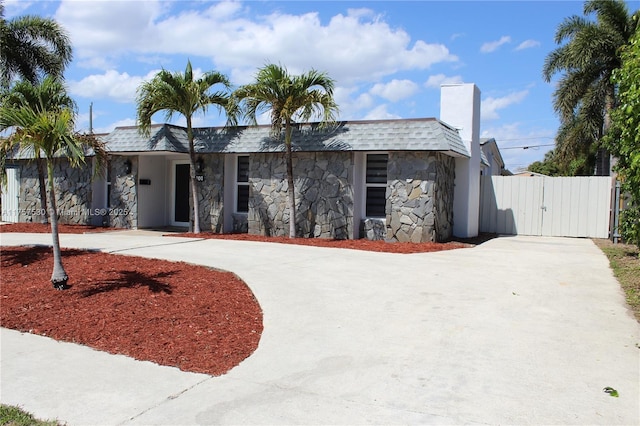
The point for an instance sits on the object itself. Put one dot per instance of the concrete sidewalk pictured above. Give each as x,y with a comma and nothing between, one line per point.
521,330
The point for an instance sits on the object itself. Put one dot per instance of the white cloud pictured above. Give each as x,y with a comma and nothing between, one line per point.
437,80
120,87
490,105
120,123
15,7
380,113
395,90
357,46
492,46
528,44
351,102
107,29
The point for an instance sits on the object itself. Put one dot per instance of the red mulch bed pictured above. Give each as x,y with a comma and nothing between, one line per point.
361,244
175,314
44,228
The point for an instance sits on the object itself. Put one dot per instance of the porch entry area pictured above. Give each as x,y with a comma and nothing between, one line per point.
546,206
162,191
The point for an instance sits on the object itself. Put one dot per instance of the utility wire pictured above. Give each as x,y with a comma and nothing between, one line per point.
524,139
527,146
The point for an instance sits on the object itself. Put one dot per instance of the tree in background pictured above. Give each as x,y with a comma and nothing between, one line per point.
32,47
624,138
43,126
547,166
585,94
288,98
185,95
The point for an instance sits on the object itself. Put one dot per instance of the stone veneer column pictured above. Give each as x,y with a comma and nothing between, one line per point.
124,193
324,194
210,193
419,206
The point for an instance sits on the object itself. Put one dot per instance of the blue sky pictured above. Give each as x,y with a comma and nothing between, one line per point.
388,57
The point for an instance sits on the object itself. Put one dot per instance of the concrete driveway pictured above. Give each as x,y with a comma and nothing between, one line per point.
519,330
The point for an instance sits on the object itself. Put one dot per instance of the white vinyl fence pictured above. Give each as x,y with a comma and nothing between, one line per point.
558,206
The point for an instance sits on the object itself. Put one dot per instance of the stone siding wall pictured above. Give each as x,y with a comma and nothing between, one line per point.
123,201
240,223
420,203
210,194
73,192
373,229
443,193
324,195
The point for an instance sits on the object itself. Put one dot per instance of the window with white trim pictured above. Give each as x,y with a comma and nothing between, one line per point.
242,184
376,185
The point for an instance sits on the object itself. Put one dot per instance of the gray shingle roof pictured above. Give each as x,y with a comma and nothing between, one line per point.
28,153
426,134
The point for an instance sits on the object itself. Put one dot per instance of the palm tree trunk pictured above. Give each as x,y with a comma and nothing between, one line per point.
194,224
59,276
603,161
291,193
43,191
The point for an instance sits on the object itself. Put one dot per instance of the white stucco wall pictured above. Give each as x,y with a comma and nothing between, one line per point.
460,108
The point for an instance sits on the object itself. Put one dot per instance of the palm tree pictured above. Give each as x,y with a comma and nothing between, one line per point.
289,98
30,47
24,93
41,126
180,93
588,54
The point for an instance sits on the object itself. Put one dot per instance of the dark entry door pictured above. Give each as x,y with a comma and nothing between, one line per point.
181,207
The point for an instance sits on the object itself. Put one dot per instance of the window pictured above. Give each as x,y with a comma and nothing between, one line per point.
242,184
376,185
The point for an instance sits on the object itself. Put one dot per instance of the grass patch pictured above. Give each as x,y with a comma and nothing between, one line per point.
14,416
625,262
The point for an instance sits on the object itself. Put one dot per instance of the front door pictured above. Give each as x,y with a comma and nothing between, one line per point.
181,199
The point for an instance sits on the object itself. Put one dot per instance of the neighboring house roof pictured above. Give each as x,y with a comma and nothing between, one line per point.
490,143
424,134
527,173
483,158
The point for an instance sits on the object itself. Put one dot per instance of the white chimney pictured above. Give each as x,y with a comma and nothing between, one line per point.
460,108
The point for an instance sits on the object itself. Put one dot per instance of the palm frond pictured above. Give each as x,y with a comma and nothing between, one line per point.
288,98
588,54
33,47
177,92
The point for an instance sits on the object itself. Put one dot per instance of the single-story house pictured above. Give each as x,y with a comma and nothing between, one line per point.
399,180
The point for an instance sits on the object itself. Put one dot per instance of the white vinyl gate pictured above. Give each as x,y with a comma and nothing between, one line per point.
10,195
558,206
